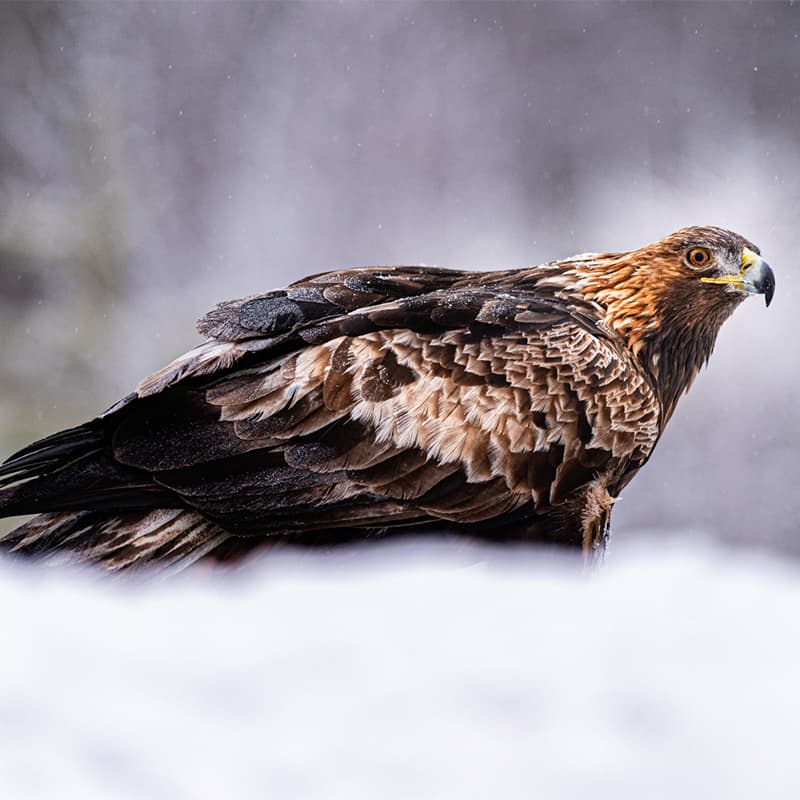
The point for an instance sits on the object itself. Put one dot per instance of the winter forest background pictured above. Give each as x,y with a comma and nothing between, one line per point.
157,158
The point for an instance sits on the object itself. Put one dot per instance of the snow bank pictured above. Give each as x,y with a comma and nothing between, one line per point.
406,672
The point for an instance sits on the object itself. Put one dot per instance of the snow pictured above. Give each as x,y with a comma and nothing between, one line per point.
407,672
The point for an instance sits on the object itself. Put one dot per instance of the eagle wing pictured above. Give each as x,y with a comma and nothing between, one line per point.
376,398
454,403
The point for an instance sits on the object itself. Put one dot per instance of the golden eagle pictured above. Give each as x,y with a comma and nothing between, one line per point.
510,405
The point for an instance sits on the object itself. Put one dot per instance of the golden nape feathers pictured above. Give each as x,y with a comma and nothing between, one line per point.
509,405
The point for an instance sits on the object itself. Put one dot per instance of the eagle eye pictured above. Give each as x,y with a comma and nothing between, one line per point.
699,257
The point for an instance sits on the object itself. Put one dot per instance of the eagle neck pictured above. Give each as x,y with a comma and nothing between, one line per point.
667,327
675,350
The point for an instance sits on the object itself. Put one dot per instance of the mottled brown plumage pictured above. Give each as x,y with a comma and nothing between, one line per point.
509,405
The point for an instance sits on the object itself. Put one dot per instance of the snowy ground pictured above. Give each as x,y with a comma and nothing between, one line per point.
407,672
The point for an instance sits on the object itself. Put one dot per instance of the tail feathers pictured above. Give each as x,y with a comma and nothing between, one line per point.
164,538
91,480
50,452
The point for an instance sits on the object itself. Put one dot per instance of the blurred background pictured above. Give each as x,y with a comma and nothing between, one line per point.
157,158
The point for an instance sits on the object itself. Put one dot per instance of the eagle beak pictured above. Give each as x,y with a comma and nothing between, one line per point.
755,276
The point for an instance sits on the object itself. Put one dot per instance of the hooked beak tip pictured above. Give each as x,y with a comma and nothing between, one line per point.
761,279
766,283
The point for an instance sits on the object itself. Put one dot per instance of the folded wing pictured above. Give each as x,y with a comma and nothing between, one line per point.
365,400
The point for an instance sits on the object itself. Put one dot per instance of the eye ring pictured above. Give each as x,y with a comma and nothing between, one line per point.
698,257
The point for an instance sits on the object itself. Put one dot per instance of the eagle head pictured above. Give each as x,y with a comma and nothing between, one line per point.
691,279
669,299
719,258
